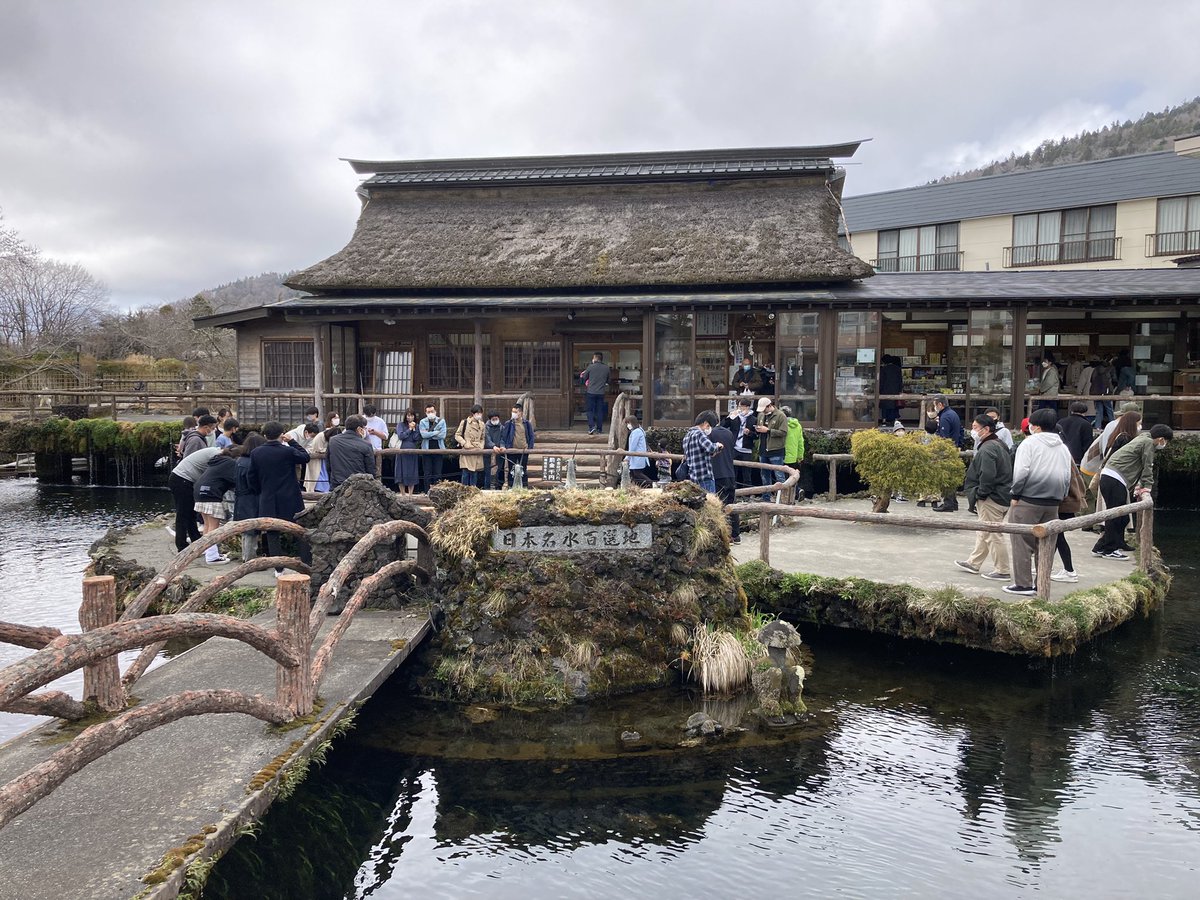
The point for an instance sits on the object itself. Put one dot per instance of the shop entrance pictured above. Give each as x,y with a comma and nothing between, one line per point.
626,363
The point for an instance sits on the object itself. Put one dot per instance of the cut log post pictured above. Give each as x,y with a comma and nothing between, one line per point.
764,537
1045,563
1146,539
293,685
101,680
833,491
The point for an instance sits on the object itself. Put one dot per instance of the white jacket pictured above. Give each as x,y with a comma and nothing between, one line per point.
1042,469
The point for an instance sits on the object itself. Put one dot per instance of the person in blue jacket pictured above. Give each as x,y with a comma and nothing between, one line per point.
949,426
433,437
516,440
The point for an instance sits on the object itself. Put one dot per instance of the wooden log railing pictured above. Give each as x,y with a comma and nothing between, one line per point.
1046,533
289,643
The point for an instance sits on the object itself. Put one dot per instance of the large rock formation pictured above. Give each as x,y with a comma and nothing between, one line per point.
567,594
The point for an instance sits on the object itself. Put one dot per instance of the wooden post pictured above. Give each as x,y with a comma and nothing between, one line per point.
318,373
1045,564
833,479
764,537
293,687
101,680
1146,539
479,361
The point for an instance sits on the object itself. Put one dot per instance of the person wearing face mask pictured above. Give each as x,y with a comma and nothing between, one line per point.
516,440
1048,384
698,451
1041,481
433,437
1129,469
747,378
745,441
492,462
407,437
987,485
639,466
472,436
312,414
350,453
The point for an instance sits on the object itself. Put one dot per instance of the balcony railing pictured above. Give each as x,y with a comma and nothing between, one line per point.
1062,252
941,261
1171,243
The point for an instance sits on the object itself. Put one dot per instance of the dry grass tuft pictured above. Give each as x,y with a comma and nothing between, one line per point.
943,608
719,661
498,603
679,634
583,654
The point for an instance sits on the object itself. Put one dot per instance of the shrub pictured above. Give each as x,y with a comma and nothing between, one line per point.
913,463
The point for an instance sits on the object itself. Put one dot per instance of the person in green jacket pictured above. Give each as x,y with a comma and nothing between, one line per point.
793,448
1130,470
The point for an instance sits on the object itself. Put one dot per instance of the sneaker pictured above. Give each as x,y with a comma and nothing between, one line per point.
1064,575
996,576
170,530
963,564
1019,589
1116,554
900,498
219,561
735,540
279,573
942,507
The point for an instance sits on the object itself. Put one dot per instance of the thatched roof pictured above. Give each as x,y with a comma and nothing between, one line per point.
525,237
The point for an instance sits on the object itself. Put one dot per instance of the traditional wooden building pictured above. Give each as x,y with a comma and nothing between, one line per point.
487,278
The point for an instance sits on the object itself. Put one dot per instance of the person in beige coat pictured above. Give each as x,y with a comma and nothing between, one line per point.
470,436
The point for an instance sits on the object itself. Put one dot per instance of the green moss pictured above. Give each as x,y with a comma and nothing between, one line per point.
177,856
63,436
1032,627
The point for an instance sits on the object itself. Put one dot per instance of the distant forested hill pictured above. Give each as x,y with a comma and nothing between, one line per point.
1153,131
254,290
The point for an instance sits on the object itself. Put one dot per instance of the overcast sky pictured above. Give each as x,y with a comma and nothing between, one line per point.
174,146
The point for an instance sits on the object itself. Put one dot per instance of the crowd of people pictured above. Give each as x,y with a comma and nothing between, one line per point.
223,473
1044,479
1112,376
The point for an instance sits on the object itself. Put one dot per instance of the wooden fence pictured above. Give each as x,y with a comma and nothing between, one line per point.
299,671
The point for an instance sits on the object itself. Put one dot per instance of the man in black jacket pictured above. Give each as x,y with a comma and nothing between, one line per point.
988,483
273,477
723,474
1076,430
350,453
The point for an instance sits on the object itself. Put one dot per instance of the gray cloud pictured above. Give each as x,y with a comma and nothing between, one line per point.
173,146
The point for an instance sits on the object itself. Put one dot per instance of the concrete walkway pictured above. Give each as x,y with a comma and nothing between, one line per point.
153,546
111,823
900,555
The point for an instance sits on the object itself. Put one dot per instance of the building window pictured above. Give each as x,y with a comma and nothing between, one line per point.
452,361
1060,236
1177,228
532,365
930,248
287,365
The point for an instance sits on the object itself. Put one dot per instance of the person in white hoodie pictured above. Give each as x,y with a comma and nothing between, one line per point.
1041,479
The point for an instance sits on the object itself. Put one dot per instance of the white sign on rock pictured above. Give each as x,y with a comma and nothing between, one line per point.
572,538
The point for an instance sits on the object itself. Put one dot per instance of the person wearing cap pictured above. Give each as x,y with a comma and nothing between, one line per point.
772,431
949,426
745,439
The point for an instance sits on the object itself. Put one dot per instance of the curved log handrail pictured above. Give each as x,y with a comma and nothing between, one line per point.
25,790
381,532
35,637
194,550
52,703
202,595
365,587
75,651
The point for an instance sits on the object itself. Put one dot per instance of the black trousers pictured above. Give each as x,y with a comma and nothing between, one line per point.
1114,494
186,527
746,477
725,489
641,477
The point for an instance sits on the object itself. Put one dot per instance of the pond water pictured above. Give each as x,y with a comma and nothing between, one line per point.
922,772
43,551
